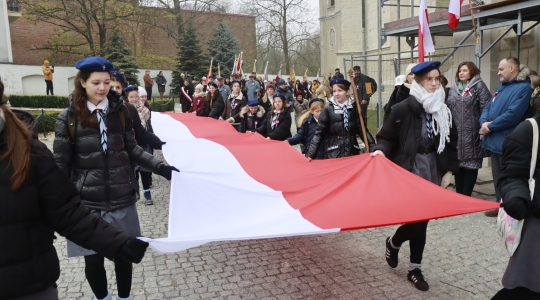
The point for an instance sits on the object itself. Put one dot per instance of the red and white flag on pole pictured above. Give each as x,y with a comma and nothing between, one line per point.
425,42
232,186
454,13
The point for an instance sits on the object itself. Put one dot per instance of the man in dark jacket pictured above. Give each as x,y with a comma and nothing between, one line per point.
337,75
504,112
365,87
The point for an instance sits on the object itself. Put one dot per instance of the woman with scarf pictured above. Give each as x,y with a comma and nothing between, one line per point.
339,125
419,136
278,121
233,105
466,100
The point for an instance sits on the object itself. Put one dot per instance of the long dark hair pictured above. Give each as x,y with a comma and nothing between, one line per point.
85,117
18,138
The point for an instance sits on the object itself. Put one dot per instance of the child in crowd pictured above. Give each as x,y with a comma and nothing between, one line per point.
300,106
307,124
278,122
252,117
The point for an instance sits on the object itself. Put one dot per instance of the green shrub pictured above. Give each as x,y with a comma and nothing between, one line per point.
38,101
162,105
46,121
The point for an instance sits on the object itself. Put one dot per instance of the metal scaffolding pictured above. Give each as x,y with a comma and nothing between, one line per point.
510,13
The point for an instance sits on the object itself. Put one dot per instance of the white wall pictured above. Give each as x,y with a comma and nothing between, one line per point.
28,80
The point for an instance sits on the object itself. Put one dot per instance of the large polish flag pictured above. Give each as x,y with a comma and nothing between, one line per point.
235,186
454,13
425,42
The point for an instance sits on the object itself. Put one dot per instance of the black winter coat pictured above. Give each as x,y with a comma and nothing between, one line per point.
466,111
513,182
338,142
398,95
47,202
360,81
400,135
105,181
213,108
256,121
305,134
281,131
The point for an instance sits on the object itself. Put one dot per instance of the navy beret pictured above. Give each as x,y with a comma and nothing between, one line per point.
315,100
280,96
340,81
118,76
94,64
253,103
425,67
131,88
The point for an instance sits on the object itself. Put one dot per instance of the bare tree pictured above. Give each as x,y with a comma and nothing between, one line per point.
89,19
282,24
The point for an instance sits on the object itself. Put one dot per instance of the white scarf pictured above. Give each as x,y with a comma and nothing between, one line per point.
433,104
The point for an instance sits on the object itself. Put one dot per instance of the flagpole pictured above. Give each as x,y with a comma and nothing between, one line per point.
360,116
472,18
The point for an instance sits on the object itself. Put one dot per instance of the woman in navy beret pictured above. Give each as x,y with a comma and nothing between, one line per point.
95,145
419,136
339,125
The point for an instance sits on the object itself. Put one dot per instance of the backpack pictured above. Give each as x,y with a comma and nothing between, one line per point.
73,122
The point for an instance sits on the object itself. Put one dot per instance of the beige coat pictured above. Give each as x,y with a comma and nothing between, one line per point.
319,93
47,72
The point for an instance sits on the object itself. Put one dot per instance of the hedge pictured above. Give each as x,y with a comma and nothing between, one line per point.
38,101
162,105
45,122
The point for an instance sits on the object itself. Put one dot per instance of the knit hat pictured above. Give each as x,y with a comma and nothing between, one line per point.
199,86
142,91
270,86
400,80
408,70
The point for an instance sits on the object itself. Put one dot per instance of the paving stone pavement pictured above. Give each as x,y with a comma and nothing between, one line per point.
463,260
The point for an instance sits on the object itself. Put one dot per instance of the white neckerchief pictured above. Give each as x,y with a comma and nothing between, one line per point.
433,104
103,105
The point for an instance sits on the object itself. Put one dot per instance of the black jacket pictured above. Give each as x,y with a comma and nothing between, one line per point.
281,131
338,142
305,134
400,135
213,109
254,122
398,95
47,202
105,181
360,81
513,182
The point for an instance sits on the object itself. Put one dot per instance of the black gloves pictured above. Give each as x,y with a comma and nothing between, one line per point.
516,208
166,171
161,146
132,250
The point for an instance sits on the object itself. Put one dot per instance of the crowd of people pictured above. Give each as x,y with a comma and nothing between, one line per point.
104,143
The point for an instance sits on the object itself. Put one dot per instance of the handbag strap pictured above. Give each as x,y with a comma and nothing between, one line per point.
534,146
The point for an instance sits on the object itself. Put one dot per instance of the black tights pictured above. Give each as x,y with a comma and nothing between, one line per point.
415,233
146,178
97,277
520,293
465,181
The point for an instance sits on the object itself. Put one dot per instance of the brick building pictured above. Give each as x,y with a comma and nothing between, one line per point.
152,46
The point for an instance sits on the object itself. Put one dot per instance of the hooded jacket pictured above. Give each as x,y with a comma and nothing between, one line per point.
46,203
105,181
255,121
466,109
505,110
331,133
47,72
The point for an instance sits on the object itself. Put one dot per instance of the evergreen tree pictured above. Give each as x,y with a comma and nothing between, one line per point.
190,56
120,56
223,47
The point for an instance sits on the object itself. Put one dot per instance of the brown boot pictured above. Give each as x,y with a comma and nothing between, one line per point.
160,95
492,213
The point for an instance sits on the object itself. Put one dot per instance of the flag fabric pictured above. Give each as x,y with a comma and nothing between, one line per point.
232,186
209,71
318,72
305,73
218,71
233,72
254,66
425,42
278,77
239,66
454,13
293,75
266,72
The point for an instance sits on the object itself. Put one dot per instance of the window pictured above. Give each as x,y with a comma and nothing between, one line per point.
332,39
331,3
